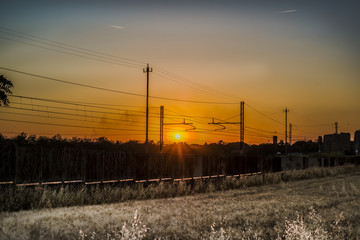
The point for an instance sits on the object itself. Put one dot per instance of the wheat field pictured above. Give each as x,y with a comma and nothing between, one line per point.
318,208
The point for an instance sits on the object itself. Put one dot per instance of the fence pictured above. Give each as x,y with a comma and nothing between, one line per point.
33,163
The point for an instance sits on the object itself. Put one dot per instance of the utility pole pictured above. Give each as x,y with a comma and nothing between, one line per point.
286,134
242,123
161,127
147,70
286,112
336,127
290,131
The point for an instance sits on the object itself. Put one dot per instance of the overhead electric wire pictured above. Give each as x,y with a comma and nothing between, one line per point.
214,133
74,54
86,104
110,57
132,63
265,115
107,58
71,46
259,134
181,118
85,53
72,119
296,129
78,134
114,91
69,125
194,83
232,117
189,85
272,132
315,125
72,114
84,110
184,115
310,120
221,133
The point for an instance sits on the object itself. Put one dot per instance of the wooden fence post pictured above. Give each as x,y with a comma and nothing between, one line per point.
103,167
16,180
41,165
84,166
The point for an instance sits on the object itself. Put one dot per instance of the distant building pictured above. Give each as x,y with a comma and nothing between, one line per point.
357,141
320,143
275,140
337,143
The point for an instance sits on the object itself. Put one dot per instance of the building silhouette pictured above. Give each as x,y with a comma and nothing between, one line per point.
357,141
336,142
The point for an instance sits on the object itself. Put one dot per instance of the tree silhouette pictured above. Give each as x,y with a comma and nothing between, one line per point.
5,86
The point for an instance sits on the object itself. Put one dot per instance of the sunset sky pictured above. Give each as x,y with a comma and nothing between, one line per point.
206,58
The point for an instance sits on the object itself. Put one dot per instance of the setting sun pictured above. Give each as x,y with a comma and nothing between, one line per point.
177,136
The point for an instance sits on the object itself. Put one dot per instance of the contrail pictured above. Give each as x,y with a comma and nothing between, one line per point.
114,26
288,11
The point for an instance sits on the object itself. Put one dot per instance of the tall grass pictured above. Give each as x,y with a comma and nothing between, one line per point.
310,227
130,230
14,198
279,211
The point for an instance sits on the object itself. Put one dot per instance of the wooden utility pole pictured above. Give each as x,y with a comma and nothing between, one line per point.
286,133
290,133
242,123
161,127
147,70
336,127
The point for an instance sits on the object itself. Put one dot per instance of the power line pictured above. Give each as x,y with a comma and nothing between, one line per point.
74,119
258,134
271,132
77,134
190,85
231,117
108,58
69,125
72,83
216,91
75,109
90,54
185,115
70,114
154,115
299,130
74,54
114,91
306,118
264,115
77,103
75,47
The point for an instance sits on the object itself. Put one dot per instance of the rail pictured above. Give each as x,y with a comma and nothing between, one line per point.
131,180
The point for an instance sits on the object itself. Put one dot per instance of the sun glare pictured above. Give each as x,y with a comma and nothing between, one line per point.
177,136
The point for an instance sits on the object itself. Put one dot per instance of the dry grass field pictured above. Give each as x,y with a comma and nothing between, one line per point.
318,208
